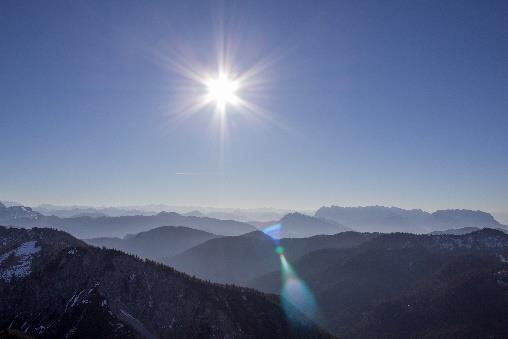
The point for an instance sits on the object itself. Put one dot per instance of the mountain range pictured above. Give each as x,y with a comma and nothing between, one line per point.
393,219
326,220
55,286
90,227
165,242
240,214
292,225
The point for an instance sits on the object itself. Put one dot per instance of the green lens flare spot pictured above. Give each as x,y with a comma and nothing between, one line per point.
279,250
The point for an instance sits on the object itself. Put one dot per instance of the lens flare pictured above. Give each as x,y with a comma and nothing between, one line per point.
295,293
273,231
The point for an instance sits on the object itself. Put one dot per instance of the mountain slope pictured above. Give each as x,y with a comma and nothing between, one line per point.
90,227
409,286
393,219
75,290
242,258
466,298
157,243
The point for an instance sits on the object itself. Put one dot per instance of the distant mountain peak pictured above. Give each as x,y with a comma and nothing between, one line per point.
298,225
294,216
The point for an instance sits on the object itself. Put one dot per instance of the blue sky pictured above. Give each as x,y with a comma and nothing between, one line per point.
389,102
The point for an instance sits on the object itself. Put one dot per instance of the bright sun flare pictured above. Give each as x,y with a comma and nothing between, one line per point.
222,90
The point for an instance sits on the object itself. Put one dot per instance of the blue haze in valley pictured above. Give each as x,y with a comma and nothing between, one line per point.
378,102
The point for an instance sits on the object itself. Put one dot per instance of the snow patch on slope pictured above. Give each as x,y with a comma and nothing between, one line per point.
17,263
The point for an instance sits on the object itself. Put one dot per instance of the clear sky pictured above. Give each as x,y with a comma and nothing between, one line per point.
367,102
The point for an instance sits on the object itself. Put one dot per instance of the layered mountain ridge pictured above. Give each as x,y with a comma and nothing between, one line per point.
70,289
90,227
239,259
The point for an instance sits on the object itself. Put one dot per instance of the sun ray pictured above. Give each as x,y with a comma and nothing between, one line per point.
222,84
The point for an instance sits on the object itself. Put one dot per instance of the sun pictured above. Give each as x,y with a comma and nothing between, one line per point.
222,90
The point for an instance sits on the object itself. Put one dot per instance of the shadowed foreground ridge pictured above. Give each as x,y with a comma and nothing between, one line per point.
70,289
410,286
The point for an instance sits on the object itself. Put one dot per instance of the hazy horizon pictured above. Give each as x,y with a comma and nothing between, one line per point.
500,216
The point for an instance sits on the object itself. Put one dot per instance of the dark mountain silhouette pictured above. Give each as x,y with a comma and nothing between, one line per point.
242,258
65,288
297,225
456,231
393,219
88,227
410,286
159,242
